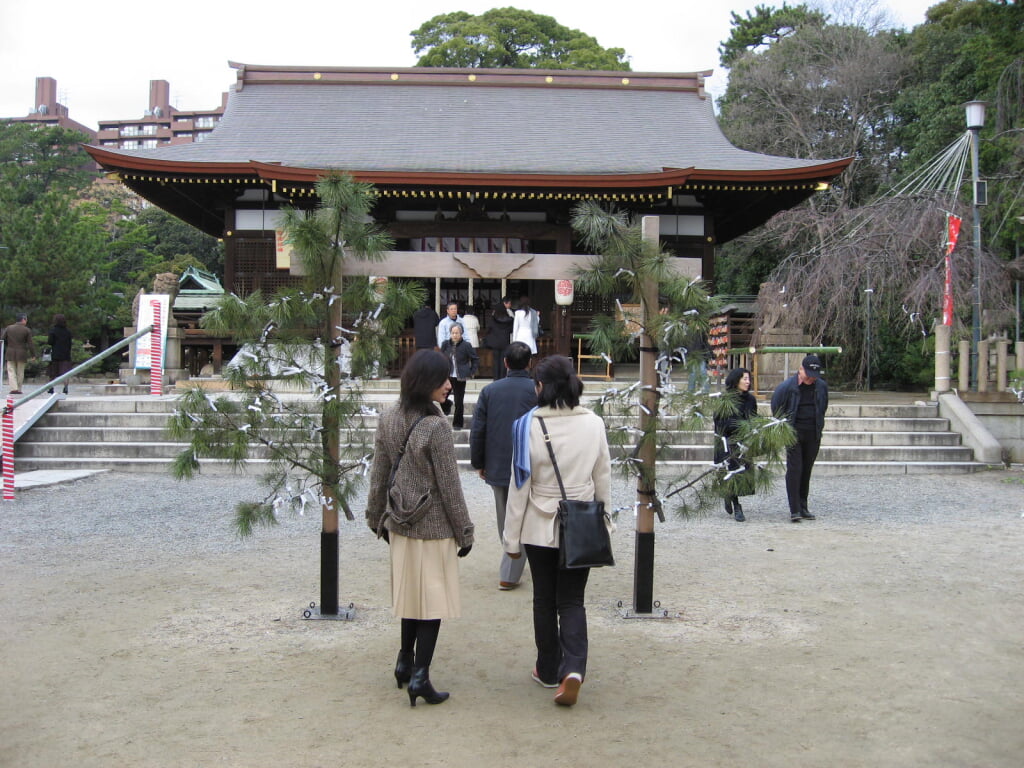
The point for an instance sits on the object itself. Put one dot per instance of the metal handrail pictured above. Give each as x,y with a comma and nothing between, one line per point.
80,367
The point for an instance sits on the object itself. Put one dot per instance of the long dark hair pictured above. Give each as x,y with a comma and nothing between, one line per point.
426,370
561,387
732,380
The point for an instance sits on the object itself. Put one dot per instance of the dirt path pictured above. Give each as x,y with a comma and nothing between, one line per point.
139,634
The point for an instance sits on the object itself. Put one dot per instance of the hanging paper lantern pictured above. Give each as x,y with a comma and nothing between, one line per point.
563,292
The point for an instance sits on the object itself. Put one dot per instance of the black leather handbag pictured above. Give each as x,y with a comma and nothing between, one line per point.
583,540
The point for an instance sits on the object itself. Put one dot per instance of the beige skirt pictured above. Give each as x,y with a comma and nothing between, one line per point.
424,578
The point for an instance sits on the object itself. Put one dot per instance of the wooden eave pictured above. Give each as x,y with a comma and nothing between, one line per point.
117,161
169,170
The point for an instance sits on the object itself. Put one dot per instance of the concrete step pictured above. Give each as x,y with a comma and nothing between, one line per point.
63,420
28,450
132,464
890,438
129,431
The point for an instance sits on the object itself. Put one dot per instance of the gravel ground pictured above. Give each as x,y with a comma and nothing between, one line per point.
137,629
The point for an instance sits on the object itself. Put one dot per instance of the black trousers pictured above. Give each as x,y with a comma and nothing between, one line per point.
799,462
459,396
559,617
499,363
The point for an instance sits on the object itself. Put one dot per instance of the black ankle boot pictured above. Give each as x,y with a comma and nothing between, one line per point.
420,685
403,667
728,506
738,509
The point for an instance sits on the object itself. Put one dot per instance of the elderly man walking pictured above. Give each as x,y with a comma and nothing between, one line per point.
19,348
490,441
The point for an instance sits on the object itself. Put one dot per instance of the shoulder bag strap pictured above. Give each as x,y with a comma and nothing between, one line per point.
551,453
401,451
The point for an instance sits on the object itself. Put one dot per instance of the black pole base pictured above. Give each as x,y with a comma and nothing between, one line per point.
328,572
345,614
643,573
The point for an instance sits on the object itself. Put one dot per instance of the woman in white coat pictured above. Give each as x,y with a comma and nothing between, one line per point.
526,324
581,448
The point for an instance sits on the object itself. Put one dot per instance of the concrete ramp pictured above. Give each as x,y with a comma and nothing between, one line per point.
29,413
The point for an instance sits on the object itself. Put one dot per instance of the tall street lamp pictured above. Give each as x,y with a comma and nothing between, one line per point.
975,120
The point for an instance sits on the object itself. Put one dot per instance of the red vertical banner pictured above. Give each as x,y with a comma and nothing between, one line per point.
953,233
8,458
156,366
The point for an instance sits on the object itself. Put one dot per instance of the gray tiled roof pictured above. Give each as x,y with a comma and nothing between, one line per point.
459,129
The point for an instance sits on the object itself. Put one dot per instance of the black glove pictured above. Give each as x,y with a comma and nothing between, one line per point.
465,550
385,535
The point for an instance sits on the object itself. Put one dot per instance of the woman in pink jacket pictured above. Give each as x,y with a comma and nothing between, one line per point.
581,449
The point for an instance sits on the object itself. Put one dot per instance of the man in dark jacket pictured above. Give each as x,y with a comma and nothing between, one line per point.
499,334
424,327
490,440
802,400
19,348
464,363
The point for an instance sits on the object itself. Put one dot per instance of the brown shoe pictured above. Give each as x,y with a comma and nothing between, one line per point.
569,690
505,586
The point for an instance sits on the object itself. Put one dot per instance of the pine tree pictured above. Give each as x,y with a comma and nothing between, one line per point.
674,311
303,339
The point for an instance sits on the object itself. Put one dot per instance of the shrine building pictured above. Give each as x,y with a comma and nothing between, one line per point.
477,171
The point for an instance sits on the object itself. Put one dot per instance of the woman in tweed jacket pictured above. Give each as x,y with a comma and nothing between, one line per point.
422,516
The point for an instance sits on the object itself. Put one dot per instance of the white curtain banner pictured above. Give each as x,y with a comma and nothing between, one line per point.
143,344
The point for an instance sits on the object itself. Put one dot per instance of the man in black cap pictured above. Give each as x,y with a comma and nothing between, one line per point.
802,400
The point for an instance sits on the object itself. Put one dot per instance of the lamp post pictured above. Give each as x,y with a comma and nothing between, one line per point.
975,111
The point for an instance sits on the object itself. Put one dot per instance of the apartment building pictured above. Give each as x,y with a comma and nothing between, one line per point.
48,111
160,124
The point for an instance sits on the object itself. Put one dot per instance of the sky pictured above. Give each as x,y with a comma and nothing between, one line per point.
103,60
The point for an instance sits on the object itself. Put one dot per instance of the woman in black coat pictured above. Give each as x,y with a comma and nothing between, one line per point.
737,384
463,364
59,342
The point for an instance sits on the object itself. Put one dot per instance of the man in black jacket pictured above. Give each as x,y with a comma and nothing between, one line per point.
424,327
499,334
490,440
802,400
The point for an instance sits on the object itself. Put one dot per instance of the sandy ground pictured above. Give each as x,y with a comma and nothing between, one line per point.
136,631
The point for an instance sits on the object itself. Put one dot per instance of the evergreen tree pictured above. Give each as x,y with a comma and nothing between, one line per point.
673,312
509,37
50,249
301,338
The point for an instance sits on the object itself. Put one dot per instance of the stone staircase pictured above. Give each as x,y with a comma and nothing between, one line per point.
128,434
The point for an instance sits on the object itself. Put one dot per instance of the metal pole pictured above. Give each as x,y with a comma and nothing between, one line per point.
1020,364
869,291
976,313
83,366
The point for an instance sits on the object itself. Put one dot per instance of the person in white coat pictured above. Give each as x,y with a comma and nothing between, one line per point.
580,446
471,330
526,324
